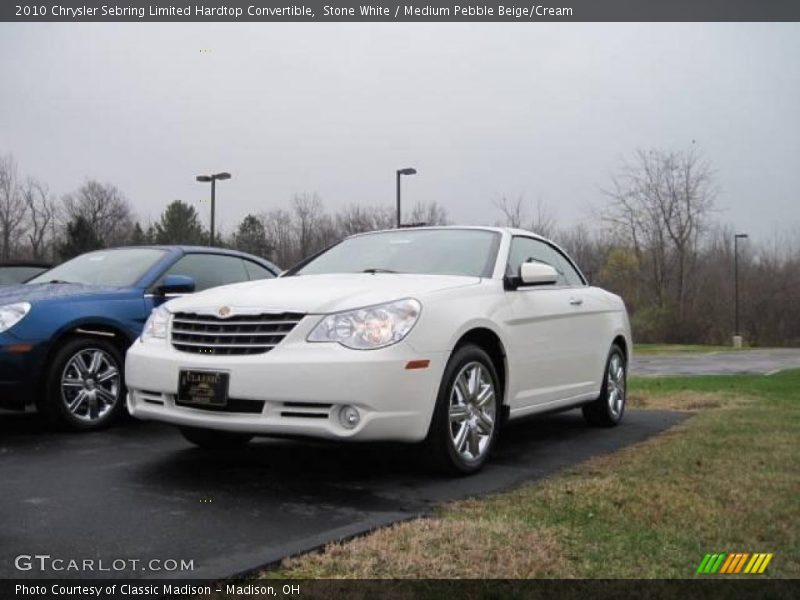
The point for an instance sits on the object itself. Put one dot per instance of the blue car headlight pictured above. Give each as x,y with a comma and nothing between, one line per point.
11,314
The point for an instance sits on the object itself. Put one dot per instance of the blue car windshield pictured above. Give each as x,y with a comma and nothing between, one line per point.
121,267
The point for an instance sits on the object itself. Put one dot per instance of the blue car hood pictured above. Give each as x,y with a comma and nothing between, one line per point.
37,292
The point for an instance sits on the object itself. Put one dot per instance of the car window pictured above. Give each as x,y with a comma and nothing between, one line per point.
524,249
256,271
210,270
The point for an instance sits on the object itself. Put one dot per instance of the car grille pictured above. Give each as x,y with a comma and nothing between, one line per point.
239,334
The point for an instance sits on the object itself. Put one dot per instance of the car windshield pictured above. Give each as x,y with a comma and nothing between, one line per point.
469,252
119,268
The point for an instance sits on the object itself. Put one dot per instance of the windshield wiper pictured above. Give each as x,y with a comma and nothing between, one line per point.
58,281
378,270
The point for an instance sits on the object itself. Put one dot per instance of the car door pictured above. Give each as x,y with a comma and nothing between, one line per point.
544,327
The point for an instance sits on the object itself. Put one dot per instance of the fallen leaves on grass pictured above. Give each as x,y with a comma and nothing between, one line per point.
687,400
440,549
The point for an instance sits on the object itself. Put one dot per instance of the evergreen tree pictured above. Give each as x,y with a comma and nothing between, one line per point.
179,224
80,238
139,237
251,236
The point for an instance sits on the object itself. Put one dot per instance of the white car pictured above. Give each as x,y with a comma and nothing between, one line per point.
434,333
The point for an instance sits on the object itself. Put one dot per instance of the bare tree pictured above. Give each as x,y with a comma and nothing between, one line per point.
660,203
42,213
513,210
280,234
106,210
431,213
309,218
358,219
12,206
515,214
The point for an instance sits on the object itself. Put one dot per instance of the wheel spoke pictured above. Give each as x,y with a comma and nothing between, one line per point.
485,422
78,362
474,382
77,401
474,443
93,412
72,382
107,374
458,412
462,389
461,438
94,365
486,396
106,396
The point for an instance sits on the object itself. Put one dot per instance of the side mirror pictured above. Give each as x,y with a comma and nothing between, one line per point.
537,273
176,284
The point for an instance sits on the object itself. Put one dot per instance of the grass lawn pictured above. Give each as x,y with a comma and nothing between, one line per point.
726,480
679,348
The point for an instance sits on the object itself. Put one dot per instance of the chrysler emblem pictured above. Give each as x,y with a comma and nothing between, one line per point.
224,311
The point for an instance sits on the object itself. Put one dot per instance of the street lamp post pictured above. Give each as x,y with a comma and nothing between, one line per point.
408,171
737,336
213,179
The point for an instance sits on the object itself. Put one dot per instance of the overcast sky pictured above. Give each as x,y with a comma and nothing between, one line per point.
481,110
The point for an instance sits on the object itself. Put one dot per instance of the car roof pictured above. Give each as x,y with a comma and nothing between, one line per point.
189,248
185,249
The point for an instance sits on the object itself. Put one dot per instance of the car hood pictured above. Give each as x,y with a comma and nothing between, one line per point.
318,293
37,292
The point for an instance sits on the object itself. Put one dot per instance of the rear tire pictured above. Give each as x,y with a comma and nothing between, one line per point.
466,419
211,439
609,408
85,385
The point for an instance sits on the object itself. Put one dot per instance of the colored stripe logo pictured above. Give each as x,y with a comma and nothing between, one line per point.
734,563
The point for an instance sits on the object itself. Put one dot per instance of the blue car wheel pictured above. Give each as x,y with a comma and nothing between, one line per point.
85,385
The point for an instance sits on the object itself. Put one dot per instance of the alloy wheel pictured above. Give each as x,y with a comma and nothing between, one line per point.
473,410
616,385
90,384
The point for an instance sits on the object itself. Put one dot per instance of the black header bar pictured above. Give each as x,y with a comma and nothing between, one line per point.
513,11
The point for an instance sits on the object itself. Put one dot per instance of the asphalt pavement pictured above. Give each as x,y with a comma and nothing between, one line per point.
140,492
768,361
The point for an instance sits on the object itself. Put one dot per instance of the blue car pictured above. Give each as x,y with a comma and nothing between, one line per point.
63,334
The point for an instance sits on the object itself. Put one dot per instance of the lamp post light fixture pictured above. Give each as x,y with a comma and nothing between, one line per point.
213,179
407,171
737,336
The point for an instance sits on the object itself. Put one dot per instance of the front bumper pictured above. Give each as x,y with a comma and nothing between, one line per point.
20,372
302,386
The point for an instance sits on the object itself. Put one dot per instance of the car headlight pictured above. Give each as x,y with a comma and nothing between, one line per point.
156,326
11,314
369,328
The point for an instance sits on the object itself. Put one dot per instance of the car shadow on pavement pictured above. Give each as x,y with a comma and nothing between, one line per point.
342,473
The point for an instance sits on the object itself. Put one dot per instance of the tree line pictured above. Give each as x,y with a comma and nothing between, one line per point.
655,239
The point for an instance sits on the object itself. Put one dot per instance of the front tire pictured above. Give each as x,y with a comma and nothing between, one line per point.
466,418
211,439
85,386
608,409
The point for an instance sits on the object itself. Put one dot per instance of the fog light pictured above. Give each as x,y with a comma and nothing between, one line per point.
349,416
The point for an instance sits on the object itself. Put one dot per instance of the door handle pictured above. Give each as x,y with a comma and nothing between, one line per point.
576,301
